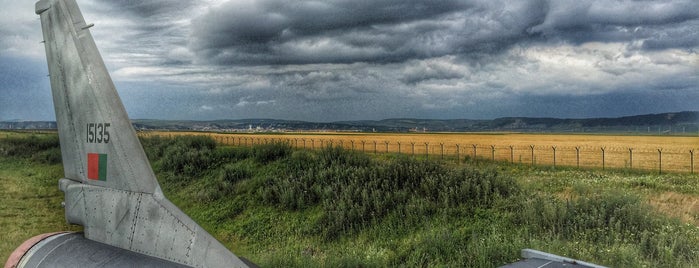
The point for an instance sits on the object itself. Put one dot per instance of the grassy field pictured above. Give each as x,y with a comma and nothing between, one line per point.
30,202
570,150
281,206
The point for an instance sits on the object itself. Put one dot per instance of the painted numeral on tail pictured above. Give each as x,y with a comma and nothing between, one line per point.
98,132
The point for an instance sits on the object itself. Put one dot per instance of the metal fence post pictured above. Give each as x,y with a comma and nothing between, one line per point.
660,160
413,146
492,152
427,150
630,158
554,155
457,153
374,147
313,144
386,142
577,156
512,154
363,143
442,149
691,161
352,142
602,148
474,151
399,147
532,147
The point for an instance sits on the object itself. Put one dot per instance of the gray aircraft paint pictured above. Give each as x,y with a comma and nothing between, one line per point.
74,250
109,186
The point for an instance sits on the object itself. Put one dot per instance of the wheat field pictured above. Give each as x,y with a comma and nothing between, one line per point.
652,153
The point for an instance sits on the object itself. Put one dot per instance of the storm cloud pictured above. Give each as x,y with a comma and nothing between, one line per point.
340,60
302,32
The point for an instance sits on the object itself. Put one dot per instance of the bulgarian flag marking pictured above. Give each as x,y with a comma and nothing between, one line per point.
97,166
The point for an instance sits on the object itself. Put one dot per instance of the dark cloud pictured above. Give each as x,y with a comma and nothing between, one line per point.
146,8
571,14
679,35
303,32
340,60
282,32
265,21
420,71
621,21
141,33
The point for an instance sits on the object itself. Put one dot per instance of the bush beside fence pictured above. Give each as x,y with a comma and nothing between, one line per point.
639,157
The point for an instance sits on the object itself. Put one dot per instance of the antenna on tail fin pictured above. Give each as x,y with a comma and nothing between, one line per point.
109,185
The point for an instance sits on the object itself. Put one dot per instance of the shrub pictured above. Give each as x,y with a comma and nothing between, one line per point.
233,173
266,153
611,218
355,191
232,154
172,180
330,156
49,156
28,146
155,146
189,155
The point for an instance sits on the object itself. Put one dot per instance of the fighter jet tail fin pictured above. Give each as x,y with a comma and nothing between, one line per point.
109,186
98,143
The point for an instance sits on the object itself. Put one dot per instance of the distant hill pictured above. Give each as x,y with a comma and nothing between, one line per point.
19,124
681,122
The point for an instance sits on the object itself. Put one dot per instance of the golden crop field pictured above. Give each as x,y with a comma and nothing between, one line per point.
659,153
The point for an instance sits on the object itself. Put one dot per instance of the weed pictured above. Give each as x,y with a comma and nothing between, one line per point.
18,146
188,155
235,172
266,153
281,206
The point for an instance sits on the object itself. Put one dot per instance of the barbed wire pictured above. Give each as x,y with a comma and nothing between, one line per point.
645,157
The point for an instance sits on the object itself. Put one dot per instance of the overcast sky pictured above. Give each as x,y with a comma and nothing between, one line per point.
357,59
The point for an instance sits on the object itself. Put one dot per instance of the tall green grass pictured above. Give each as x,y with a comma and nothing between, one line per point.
42,148
30,202
280,206
333,207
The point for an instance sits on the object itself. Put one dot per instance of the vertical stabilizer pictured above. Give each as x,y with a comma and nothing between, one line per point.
98,143
109,186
